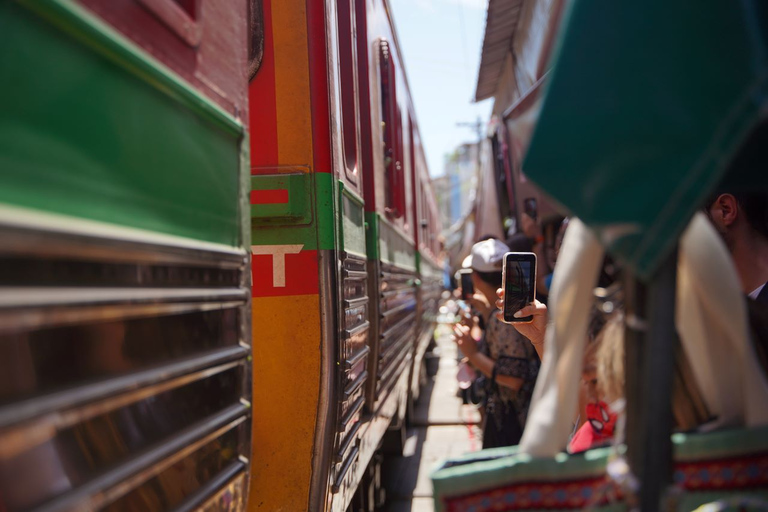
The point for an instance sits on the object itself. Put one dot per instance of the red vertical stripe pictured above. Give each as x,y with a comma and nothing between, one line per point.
366,144
262,100
318,72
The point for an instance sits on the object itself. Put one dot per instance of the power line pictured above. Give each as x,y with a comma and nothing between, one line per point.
463,40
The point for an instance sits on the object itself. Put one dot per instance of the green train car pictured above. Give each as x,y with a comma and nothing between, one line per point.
124,265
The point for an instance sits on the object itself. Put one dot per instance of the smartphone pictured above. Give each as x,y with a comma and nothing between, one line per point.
467,287
519,278
531,208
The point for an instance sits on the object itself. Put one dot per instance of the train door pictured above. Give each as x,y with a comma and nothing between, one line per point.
354,443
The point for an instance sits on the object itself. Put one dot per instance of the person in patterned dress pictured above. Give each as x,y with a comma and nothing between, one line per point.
509,360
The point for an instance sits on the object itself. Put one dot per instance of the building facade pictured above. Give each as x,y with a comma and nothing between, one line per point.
519,37
456,188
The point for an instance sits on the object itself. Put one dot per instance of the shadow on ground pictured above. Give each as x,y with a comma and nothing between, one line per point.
441,427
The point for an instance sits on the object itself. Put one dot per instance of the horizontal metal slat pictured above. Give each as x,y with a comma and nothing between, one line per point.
354,303
408,290
348,441
354,274
386,376
354,409
352,258
357,357
41,317
398,309
398,278
19,412
408,319
392,268
37,234
393,287
351,333
395,272
401,348
17,297
212,486
109,486
336,487
394,346
354,386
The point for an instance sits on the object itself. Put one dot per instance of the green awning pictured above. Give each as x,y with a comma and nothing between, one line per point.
646,104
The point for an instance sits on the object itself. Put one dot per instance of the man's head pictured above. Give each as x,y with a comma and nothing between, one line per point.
742,221
740,218
487,261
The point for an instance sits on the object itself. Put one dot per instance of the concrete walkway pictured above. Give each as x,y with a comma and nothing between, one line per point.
442,427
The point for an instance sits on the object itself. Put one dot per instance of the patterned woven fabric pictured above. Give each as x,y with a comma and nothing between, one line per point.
746,472
715,468
566,495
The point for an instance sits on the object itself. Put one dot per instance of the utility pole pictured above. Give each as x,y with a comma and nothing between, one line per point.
477,126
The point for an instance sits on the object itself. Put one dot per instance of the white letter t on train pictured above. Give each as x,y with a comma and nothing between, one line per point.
278,253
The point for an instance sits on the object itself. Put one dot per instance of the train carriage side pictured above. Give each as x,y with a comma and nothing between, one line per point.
429,265
401,219
124,304
392,260
335,276
309,265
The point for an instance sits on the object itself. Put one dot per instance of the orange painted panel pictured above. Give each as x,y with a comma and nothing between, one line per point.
286,387
292,84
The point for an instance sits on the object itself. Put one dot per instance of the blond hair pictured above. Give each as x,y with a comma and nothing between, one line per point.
609,358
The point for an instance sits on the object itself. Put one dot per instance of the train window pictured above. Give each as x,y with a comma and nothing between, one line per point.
348,82
410,181
392,133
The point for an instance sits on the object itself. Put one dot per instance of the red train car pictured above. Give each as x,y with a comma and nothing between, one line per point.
345,253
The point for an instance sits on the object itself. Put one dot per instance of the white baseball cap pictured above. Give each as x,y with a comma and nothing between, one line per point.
488,255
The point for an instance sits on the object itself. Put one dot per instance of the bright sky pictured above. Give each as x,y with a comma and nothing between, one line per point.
441,43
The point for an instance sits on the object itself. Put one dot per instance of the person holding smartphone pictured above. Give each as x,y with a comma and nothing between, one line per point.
509,360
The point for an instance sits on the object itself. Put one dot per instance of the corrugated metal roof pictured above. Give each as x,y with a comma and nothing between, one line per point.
500,27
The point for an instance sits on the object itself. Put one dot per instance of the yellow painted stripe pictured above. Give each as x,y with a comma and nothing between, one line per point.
286,387
292,84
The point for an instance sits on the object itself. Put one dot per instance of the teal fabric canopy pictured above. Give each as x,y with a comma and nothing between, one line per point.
646,105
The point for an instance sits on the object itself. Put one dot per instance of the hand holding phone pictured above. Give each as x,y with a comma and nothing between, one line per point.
535,330
519,281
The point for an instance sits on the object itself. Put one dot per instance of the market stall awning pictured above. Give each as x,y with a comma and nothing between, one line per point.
500,27
645,106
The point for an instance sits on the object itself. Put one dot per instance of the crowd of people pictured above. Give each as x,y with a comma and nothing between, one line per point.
505,358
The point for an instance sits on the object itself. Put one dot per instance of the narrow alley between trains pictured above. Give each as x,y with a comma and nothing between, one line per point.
442,426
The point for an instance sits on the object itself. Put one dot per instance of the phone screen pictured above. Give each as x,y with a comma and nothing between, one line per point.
519,284
467,287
